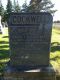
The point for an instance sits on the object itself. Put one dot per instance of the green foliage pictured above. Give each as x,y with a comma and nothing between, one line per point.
55,49
1,9
24,7
34,4
16,7
9,7
4,50
41,6
5,16
7,11
47,6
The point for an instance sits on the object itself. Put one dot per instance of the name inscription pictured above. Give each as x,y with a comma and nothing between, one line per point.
28,19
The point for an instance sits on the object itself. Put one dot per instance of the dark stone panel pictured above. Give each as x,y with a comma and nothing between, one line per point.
30,42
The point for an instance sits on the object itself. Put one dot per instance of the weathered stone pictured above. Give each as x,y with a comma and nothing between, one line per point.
30,75
30,35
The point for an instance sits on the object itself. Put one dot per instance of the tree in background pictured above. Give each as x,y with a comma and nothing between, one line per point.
41,6
33,6
47,6
7,11
1,9
16,7
9,6
24,7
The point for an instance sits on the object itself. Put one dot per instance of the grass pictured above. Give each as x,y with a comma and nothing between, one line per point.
55,50
54,55
4,49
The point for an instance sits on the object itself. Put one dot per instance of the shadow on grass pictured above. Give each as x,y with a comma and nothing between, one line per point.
0,32
4,46
4,53
58,78
55,58
55,46
5,36
4,42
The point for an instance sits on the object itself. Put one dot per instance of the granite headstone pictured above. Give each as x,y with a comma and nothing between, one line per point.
30,37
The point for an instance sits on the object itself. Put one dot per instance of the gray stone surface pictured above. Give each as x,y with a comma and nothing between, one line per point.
30,36
39,75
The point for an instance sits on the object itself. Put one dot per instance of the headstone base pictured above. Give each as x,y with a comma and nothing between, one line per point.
39,74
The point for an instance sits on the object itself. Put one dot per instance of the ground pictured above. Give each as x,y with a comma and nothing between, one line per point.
55,49
54,54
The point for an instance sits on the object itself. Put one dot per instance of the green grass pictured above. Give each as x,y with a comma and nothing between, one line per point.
4,49
55,49
54,55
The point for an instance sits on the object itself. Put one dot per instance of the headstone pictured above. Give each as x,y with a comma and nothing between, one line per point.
30,76
30,37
